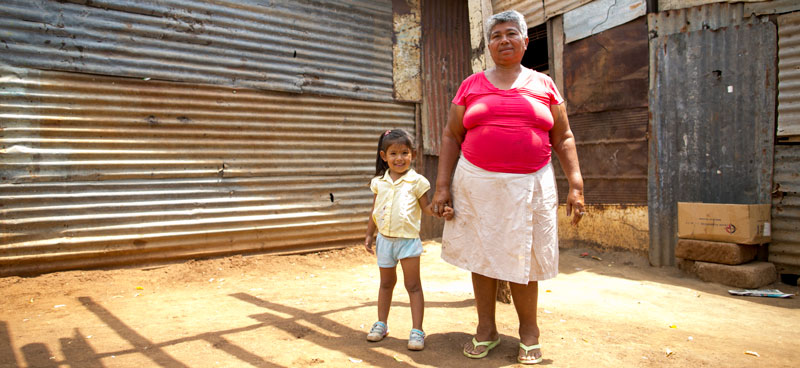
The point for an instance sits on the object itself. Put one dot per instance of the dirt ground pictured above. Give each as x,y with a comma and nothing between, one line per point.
314,310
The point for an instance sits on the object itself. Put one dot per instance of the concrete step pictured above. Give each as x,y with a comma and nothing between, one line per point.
751,275
715,252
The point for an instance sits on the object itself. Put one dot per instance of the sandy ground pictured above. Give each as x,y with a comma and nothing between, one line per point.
314,310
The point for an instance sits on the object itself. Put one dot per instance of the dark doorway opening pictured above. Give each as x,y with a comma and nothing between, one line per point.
536,56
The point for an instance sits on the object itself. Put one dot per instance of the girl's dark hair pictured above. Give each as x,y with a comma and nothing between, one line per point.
388,138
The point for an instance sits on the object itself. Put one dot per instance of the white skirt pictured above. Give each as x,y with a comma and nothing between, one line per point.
505,225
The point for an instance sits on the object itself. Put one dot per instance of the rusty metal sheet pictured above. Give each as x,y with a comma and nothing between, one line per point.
784,250
612,149
714,16
607,71
789,77
445,64
101,170
664,5
600,15
713,124
772,7
532,10
339,48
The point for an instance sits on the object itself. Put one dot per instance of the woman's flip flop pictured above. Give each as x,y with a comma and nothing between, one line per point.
532,360
488,344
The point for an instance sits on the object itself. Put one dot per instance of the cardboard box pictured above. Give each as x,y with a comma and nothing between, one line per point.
734,223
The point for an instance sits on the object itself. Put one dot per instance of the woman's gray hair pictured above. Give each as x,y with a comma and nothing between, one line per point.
512,16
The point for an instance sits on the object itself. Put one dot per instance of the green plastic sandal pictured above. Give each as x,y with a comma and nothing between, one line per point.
488,344
527,349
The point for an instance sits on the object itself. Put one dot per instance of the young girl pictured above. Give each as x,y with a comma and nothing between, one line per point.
400,198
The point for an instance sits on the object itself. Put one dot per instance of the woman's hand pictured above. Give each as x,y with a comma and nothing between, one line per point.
575,204
441,200
563,143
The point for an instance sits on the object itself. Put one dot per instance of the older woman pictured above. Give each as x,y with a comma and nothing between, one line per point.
504,121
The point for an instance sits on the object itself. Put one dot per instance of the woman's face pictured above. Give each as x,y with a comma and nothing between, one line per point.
507,44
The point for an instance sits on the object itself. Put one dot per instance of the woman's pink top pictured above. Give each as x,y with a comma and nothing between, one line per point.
508,130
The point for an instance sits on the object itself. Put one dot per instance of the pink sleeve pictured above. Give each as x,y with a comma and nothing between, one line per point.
555,97
461,95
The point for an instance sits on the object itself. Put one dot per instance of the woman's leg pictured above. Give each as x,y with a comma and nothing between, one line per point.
485,290
525,301
388,280
414,287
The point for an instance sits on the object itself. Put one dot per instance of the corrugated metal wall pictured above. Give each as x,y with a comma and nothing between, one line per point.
339,48
103,170
784,250
445,64
713,119
664,5
709,17
606,92
789,77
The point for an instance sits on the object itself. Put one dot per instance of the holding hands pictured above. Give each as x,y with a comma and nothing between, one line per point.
444,211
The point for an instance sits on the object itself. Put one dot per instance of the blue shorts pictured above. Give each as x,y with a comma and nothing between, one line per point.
391,250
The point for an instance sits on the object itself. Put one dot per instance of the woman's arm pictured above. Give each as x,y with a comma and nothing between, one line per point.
563,142
452,136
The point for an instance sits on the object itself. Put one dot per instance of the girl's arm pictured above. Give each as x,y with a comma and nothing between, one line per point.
371,227
563,142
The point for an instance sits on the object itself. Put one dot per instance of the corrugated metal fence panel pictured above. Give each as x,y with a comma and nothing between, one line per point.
713,124
532,10
711,17
107,170
339,48
789,76
606,75
784,250
664,5
772,7
445,64
612,147
600,15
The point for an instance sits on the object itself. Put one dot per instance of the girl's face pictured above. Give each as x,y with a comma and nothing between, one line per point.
398,157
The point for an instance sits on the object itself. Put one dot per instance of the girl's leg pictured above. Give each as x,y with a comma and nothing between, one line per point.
485,290
414,287
388,280
525,302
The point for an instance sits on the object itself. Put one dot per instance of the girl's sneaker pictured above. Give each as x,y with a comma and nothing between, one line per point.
377,332
416,340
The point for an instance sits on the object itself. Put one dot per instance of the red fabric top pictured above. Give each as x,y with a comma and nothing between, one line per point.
508,130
